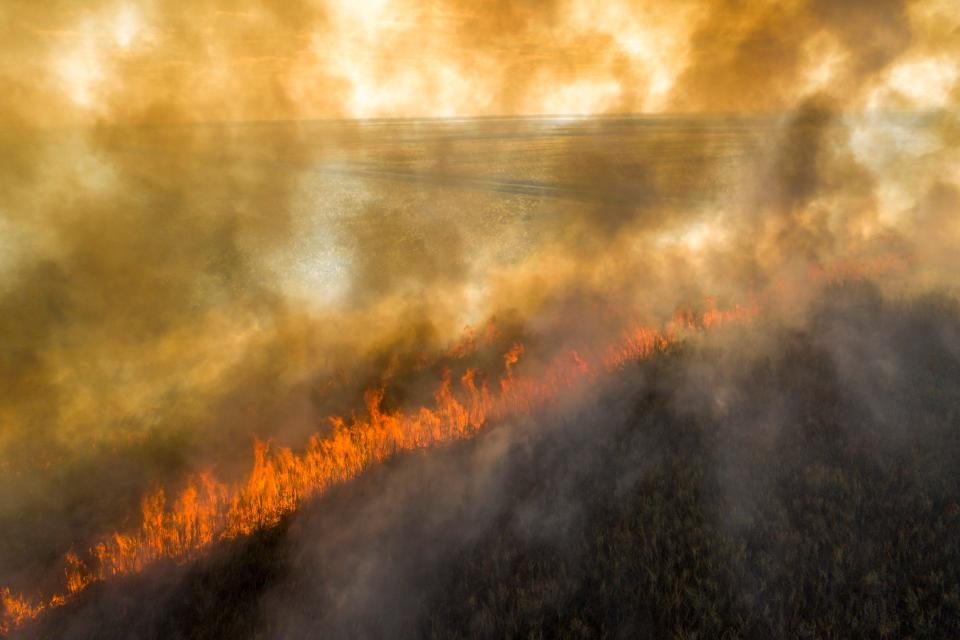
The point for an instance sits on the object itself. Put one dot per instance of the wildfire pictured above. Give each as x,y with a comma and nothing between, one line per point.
208,510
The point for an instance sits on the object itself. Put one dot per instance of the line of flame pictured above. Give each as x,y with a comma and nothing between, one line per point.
208,510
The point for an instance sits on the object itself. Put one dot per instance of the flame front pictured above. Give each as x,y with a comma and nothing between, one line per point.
208,510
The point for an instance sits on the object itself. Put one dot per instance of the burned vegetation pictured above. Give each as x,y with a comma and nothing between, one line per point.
803,489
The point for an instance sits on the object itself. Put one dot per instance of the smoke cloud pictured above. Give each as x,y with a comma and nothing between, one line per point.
213,230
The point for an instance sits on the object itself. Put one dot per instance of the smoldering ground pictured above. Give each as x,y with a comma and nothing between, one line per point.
801,483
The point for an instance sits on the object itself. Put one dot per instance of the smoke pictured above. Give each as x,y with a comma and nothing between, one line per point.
724,463
153,62
193,255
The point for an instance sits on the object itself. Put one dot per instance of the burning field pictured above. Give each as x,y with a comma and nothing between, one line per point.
420,319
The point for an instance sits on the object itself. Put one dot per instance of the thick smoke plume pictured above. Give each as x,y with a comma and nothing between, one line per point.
154,61
200,246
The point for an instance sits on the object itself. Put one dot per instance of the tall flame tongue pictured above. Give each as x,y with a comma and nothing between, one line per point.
208,510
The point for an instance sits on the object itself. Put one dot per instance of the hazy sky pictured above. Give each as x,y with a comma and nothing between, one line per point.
215,60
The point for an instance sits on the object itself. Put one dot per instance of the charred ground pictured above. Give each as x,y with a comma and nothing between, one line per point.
807,488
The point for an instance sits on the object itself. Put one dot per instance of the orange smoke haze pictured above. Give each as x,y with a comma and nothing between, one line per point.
162,61
221,226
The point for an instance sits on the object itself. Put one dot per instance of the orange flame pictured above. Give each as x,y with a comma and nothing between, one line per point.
208,510
16,610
